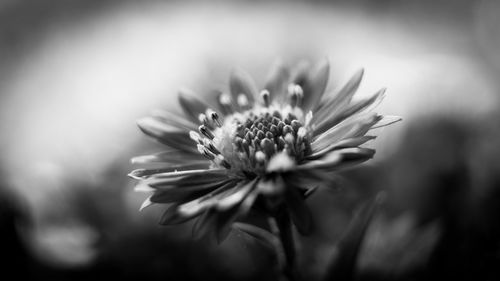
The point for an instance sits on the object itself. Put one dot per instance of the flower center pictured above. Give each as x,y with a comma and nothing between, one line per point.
245,141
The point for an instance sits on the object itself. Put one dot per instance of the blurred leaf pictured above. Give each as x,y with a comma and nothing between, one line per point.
344,263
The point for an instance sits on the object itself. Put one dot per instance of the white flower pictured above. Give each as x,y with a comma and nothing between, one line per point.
264,149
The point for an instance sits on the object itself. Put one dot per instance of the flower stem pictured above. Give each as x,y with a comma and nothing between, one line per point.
285,234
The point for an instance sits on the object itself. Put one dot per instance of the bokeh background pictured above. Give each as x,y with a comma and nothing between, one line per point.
76,74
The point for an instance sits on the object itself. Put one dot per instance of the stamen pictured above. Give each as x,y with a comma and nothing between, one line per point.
266,98
203,119
226,103
267,146
203,151
295,94
215,118
206,132
260,156
242,100
210,146
195,136
219,160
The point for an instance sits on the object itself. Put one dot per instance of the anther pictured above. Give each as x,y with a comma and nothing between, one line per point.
295,94
222,162
249,136
281,125
208,144
206,132
203,119
281,143
242,100
245,146
301,133
287,130
195,136
290,140
296,125
225,102
260,156
267,146
203,151
238,143
274,130
260,134
266,98
215,118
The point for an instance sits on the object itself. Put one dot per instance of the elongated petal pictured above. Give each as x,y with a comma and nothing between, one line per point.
169,157
355,126
345,143
235,198
179,213
316,85
205,224
277,81
185,193
386,121
202,172
167,134
342,98
146,204
175,119
145,173
338,159
192,104
347,111
241,82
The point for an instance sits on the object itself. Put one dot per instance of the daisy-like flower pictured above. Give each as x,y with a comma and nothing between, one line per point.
263,149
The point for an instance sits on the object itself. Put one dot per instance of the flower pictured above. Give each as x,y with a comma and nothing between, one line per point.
265,149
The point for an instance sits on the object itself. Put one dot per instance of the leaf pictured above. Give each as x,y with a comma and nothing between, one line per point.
344,264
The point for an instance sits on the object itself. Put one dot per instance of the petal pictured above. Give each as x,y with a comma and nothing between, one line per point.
167,134
179,213
349,110
316,85
345,143
170,157
280,162
241,82
277,81
204,224
386,121
228,217
145,173
181,193
236,198
189,180
338,159
355,126
342,98
203,172
174,119
146,204
192,105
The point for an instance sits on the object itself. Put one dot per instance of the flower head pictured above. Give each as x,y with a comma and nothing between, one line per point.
266,149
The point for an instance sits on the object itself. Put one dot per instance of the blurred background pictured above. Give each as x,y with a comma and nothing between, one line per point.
76,74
